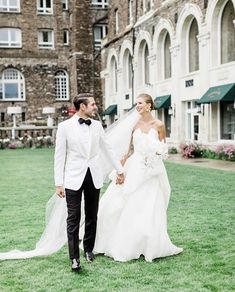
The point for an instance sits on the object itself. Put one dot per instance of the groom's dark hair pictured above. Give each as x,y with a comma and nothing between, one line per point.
81,98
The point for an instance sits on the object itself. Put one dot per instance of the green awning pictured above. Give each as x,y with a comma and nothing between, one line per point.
223,92
162,101
111,110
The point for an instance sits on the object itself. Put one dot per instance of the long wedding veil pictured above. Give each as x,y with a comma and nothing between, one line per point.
54,235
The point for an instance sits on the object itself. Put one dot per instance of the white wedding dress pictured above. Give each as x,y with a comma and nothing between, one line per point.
132,218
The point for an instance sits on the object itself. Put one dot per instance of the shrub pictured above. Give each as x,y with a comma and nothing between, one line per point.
225,152
16,145
43,141
27,142
4,143
191,150
172,150
221,151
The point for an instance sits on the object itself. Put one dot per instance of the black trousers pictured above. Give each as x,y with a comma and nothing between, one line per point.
91,200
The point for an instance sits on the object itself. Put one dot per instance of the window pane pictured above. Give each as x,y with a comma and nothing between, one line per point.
44,36
61,85
64,4
45,39
1,94
130,70
12,85
167,122
189,125
195,126
14,2
97,32
48,3
13,35
4,3
66,36
227,34
193,47
167,57
49,36
10,74
3,35
146,65
11,90
227,113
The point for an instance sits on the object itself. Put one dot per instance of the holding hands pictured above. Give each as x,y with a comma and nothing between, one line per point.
60,192
120,179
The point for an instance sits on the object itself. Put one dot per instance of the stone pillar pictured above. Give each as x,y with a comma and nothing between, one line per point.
204,65
177,118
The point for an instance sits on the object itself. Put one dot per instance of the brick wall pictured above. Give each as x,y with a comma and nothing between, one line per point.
39,65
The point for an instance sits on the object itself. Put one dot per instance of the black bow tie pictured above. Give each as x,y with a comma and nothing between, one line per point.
87,122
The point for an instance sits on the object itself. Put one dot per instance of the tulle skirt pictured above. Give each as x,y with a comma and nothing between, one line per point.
132,218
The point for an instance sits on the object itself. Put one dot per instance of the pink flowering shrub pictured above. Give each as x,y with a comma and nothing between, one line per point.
221,151
15,145
225,152
191,150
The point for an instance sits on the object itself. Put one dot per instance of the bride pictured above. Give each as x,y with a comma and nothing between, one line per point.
132,218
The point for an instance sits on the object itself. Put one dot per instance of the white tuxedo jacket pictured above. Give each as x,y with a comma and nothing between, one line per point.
78,146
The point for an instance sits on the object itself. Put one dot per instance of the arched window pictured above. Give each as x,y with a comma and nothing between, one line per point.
61,85
143,64
146,64
147,5
113,74
127,74
64,4
193,55
116,17
12,85
130,12
227,34
167,56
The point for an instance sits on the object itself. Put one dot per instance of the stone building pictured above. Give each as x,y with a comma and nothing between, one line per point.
180,52
49,52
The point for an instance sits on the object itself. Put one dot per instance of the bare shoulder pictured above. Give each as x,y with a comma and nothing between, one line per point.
137,125
158,124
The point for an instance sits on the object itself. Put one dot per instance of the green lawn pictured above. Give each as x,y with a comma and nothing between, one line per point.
200,219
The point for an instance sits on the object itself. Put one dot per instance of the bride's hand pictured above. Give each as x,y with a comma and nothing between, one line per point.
120,179
60,192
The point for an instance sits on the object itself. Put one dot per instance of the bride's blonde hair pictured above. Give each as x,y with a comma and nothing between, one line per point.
148,99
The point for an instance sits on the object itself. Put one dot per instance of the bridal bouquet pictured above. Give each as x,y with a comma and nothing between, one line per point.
153,156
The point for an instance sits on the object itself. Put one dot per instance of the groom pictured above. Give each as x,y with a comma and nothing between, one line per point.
78,171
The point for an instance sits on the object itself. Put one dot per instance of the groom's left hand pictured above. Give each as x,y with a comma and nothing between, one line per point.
120,179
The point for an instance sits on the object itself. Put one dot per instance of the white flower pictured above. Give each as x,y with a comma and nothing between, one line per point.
162,150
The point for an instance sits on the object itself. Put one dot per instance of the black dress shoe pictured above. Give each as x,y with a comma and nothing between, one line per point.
76,266
89,256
